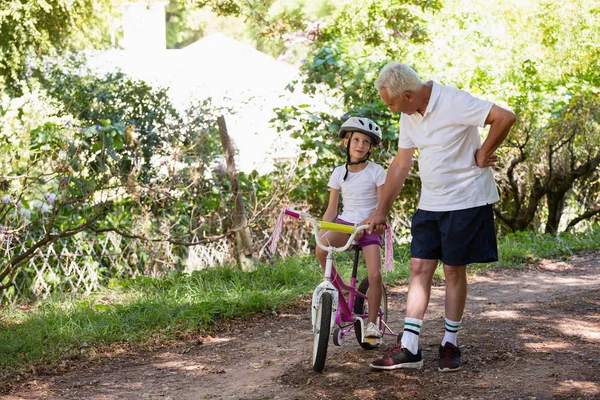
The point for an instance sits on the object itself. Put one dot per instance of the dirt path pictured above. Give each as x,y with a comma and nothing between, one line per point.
526,335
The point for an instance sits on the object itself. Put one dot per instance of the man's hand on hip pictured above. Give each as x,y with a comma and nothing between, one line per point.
482,161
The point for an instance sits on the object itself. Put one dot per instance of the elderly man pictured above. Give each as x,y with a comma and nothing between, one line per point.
454,222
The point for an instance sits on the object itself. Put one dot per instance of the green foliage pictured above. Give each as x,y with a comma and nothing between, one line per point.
520,249
275,27
182,29
346,53
115,97
112,154
32,29
553,152
101,154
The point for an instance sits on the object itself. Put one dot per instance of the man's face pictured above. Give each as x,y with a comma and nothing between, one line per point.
402,104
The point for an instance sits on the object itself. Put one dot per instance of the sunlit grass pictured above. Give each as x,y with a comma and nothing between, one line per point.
517,250
137,310
63,325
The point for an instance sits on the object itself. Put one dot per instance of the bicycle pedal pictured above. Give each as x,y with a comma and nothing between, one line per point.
372,340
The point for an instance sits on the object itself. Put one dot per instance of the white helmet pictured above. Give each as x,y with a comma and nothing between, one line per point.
362,125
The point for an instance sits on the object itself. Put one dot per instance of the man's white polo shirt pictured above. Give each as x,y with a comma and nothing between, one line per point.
447,137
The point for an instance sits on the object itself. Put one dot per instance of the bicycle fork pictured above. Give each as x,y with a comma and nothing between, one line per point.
325,286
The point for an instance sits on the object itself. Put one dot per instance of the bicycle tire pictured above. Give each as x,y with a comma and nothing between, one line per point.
360,307
321,337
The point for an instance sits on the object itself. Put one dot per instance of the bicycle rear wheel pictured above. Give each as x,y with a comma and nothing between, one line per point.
361,307
323,326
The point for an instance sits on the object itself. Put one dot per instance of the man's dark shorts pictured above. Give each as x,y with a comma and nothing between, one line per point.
458,237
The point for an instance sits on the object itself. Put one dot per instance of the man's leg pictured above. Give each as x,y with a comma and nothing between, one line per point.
419,287
425,250
417,300
407,354
456,291
456,297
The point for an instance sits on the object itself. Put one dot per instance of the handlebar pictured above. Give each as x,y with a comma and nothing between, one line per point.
330,226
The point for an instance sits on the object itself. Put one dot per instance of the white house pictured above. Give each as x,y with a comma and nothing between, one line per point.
233,74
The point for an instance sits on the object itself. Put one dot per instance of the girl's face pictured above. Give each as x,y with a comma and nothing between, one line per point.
360,145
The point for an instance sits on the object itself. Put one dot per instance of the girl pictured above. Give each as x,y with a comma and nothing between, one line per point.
360,184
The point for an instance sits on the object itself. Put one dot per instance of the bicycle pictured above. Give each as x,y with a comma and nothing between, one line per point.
330,308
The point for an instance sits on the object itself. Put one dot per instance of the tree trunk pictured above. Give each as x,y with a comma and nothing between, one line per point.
555,203
243,238
559,187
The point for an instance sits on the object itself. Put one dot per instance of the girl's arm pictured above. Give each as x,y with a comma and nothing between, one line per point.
332,207
379,194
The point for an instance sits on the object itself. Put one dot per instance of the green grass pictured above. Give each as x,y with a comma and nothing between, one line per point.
139,310
517,250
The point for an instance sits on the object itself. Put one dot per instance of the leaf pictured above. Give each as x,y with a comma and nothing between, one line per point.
89,132
111,152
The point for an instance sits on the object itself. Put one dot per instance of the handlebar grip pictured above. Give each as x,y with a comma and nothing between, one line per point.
331,226
292,213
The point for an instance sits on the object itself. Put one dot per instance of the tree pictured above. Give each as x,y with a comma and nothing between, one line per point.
528,57
60,181
553,152
346,52
33,29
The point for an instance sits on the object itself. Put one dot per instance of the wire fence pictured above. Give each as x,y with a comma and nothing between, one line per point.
84,263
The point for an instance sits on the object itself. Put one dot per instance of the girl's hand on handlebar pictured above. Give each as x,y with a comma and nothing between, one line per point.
359,235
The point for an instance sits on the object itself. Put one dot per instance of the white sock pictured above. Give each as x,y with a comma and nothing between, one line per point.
451,331
410,336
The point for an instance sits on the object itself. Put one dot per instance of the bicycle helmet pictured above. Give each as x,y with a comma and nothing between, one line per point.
362,125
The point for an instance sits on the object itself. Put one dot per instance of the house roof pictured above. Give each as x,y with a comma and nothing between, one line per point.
233,75
220,66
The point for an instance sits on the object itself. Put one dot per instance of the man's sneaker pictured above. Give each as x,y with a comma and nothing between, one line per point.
449,358
372,331
399,357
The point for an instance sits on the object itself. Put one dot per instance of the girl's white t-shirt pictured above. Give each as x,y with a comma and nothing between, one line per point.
447,137
359,190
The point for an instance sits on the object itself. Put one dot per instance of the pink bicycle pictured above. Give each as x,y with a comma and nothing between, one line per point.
334,311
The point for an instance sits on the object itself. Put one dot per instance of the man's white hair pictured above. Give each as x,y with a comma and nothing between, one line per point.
397,78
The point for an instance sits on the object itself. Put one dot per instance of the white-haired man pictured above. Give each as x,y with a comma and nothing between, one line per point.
454,222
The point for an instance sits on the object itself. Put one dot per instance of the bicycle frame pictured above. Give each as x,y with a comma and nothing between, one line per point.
345,308
341,310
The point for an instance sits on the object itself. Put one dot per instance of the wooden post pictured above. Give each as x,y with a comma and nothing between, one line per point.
243,238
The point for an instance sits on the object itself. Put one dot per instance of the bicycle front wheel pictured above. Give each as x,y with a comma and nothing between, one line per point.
323,327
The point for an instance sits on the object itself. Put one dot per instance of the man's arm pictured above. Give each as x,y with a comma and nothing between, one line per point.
396,175
500,121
